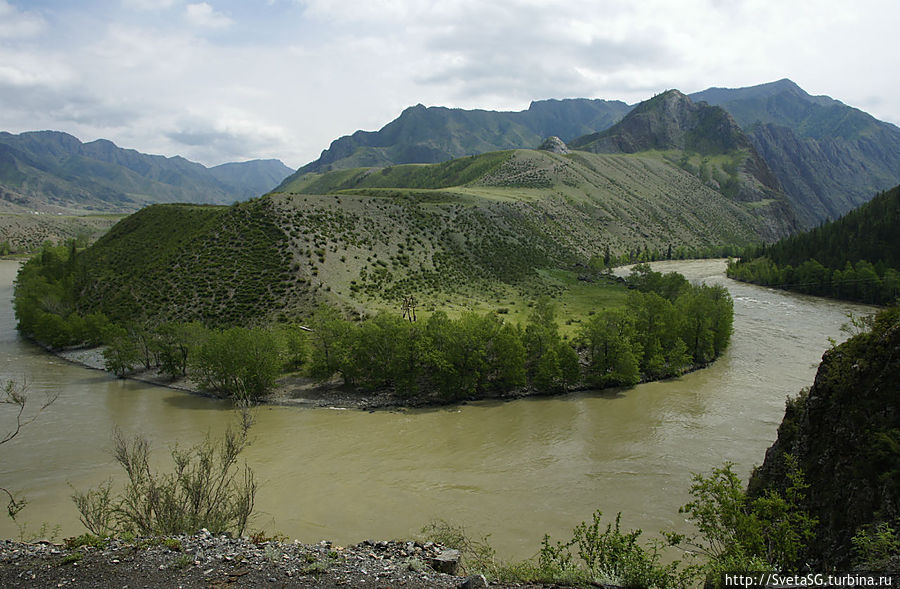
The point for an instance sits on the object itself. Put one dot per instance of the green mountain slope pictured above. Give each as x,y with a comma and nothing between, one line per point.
828,157
702,139
55,172
866,233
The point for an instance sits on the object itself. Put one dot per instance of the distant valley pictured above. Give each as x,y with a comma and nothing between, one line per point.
53,187
54,172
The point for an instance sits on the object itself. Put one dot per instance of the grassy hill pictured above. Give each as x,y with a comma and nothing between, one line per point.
493,231
634,200
486,232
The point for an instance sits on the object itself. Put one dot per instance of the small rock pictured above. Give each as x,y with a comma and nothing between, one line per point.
446,562
473,582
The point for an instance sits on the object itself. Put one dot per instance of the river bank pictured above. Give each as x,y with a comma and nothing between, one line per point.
205,560
296,390
291,390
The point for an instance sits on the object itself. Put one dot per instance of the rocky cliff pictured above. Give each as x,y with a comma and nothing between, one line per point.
845,434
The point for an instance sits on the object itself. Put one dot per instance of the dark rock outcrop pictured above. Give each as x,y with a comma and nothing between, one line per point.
845,435
669,120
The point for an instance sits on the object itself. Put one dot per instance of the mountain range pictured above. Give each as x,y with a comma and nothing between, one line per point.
436,134
50,171
824,156
772,143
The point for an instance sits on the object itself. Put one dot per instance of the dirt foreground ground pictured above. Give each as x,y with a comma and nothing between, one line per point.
208,561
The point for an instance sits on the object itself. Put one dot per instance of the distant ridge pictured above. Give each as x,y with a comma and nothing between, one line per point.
53,171
828,157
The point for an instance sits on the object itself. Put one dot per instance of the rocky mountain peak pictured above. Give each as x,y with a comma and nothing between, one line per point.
670,120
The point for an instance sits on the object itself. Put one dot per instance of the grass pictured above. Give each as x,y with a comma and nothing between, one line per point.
72,557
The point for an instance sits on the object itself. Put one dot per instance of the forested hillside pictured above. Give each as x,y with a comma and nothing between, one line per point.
856,257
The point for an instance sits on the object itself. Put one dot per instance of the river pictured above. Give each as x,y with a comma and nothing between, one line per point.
514,470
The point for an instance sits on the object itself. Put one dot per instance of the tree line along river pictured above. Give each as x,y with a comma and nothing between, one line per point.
515,470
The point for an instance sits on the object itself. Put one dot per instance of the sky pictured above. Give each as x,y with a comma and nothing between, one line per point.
228,80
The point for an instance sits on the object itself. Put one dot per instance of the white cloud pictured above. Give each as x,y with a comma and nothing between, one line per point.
202,14
17,24
227,132
149,5
284,78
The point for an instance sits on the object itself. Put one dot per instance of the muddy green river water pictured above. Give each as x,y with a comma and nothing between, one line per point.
515,470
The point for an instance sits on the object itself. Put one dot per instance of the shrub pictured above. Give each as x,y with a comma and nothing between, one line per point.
608,557
239,363
875,546
207,488
476,556
739,533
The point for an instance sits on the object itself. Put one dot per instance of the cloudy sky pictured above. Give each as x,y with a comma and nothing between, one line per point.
228,80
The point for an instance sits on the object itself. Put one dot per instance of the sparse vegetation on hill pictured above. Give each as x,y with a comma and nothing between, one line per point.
23,233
